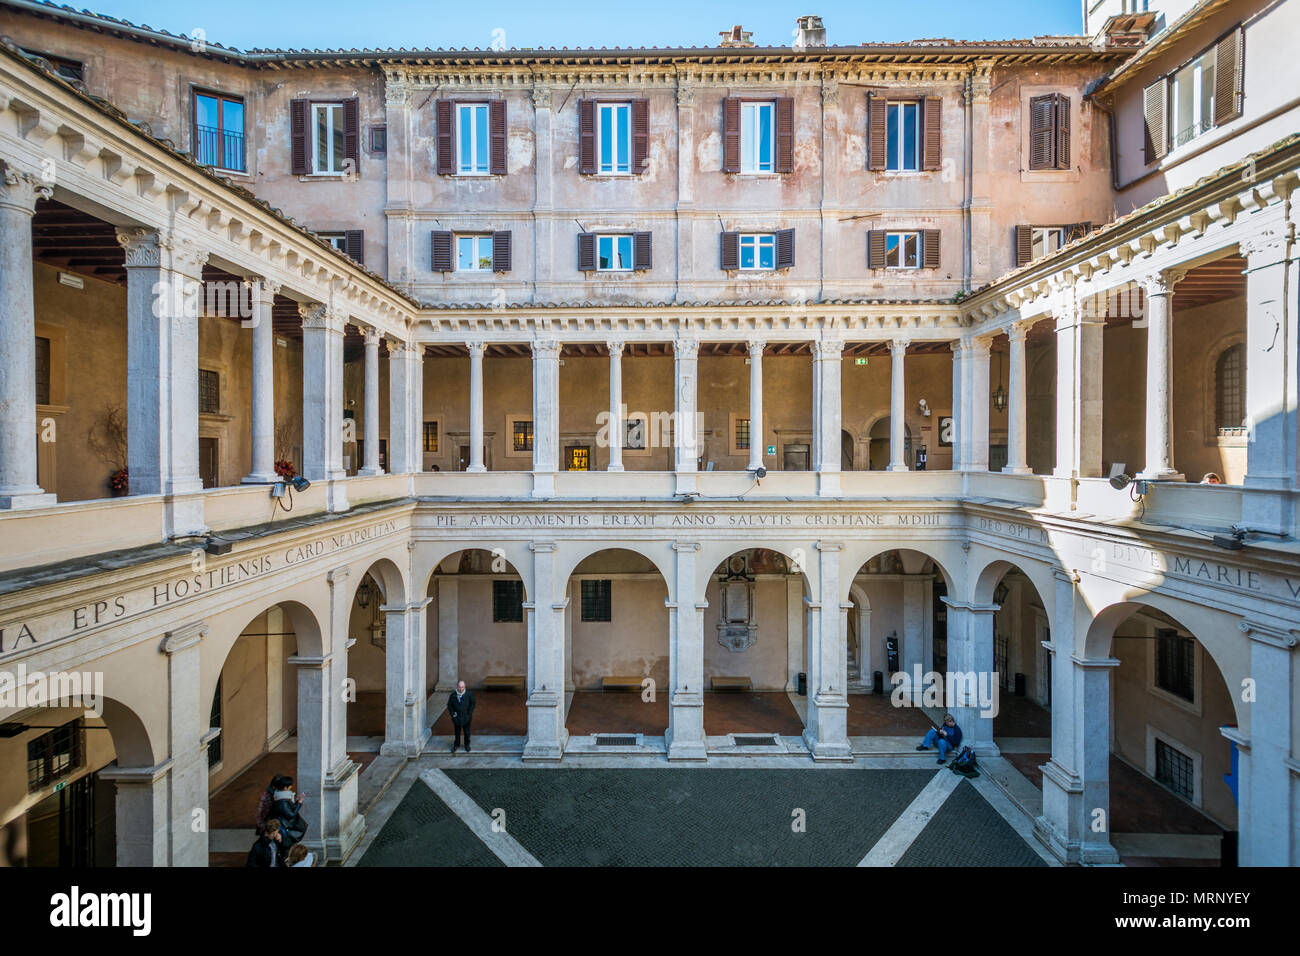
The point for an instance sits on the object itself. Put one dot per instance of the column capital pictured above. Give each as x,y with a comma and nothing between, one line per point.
1162,282
151,249
1270,634
615,347
263,290
1018,329
397,92
1264,248
686,347
830,91
20,190
183,637
898,345
541,547
828,348
317,316
685,96
371,335
476,348
686,546
755,347
541,97
548,348
397,349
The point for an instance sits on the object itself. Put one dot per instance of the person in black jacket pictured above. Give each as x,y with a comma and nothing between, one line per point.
286,809
460,704
267,851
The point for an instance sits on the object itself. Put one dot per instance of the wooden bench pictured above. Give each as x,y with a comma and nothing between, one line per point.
504,682
732,683
621,683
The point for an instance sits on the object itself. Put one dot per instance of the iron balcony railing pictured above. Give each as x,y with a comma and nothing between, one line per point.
223,148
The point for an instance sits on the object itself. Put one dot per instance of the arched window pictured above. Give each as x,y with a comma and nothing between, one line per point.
1230,388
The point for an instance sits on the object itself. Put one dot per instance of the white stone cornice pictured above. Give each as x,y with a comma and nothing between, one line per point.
1270,634
183,637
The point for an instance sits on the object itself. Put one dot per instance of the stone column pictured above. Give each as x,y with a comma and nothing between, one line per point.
187,733
916,609
371,436
262,292
141,812
164,294
617,431
826,730
1159,289
685,221
756,404
685,734
1017,403
405,727
1272,393
547,735
976,381
405,374
1088,406
827,353
794,639
322,400
979,87
398,181
686,451
897,406
544,183
1065,315
476,350
18,195
448,633
959,415
1269,775
546,416
970,666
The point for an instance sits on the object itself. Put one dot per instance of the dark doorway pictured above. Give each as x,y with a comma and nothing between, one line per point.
208,462
846,451
74,826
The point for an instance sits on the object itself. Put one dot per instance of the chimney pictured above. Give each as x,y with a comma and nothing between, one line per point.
809,33
736,37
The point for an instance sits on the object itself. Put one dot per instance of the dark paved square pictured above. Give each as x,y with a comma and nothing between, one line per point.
423,832
967,831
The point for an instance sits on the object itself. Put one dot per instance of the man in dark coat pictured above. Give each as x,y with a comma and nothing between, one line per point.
268,851
460,704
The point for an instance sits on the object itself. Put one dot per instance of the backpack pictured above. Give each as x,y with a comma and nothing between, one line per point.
965,764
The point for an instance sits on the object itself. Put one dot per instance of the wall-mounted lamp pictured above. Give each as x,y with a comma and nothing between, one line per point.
923,408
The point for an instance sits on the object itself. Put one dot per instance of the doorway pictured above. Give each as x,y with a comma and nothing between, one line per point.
208,462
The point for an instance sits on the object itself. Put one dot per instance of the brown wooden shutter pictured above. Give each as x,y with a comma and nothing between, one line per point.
641,250
929,248
497,137
784,134
1228,77
440,255
877,130
731,135
932,133
640,135
1155,106
352,133
1024,245
587,137
445,116
1041,122
354,245
785,249
1077,230
876,249
298,110
1061,150
501,251
586,252
729,250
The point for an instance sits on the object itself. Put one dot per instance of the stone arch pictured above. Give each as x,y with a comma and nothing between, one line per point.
1039,573
131,741
570,554
431,554
389,576
800,555
857,554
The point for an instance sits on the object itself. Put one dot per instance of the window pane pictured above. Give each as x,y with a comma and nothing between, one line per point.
747,153
322,140
605,252
624,252
1207,94
480,139
765,138
746,252
891,249
606,139
205,110
485,253
465,124
336,122
892,134
464,252
1183,105
909,136
232,134
912,250
624,133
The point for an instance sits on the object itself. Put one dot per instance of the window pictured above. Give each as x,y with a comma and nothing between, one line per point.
521,435
903,137
795,457
1229,390
596,601
219,131
74,71
327,143
1045,239
335,239
758,251
507,601
431,437
209,392
1175,664
378,139
579,458
42,370
1192,100
56,754
1049,131
903,250
756,139
742,434
472,154
1203,93
214,721
1175,770
474,253
614,137
614,253
634,432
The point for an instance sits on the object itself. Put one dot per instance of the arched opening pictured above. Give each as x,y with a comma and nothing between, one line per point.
878,454
477,631
846,451
617,637
1022,666
380,587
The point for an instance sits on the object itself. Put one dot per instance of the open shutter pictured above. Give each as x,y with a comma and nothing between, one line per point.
729,250
785,249
1024,245
354,245
587,137
877,131
1155,106
497,137
929,248
352,134
501,251
932,132
876,249
731,135
1228,77
1077,230
1041,122
445,113
640,135
785,134
440,256
586,252
1061,153
641,250
298,110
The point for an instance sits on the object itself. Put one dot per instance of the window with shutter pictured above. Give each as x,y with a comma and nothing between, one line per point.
757,251
876,249
785,249
327,141
640,135
1228,76
877,129
440,251
731,135
1041,131
299,162
473,139
932,133
758,137
903,140
444,111
1155,108
586,252
902,250
613,138
501,251
587,137
352,137
1061,146
785,134
729,250
617,253
641,250
930,248
354,245
497,136
1024,245
475,253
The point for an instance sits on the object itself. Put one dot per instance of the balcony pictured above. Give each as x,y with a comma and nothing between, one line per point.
222,148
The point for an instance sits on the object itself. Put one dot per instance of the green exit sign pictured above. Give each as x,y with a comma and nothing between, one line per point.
859,361
59,786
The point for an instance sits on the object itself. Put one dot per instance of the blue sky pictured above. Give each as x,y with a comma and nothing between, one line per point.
397,23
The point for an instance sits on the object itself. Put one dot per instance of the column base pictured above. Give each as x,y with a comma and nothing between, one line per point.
261,478
475,469
1161,476
547,735
183,517
24,500
685,734
899,468
1017,470
543,484
370,472
614,468
336,495
828,484
826,735
686,482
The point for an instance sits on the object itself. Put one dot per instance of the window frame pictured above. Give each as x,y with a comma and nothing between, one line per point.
1193,706
902,235
612,109
601,600
750,134
918,141
473,108
317,109
1035,231
757,241
75,730
498,615
222,99
1171,87
477,238
213,375
616,239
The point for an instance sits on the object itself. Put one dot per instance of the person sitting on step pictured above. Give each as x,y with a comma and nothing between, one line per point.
947,737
